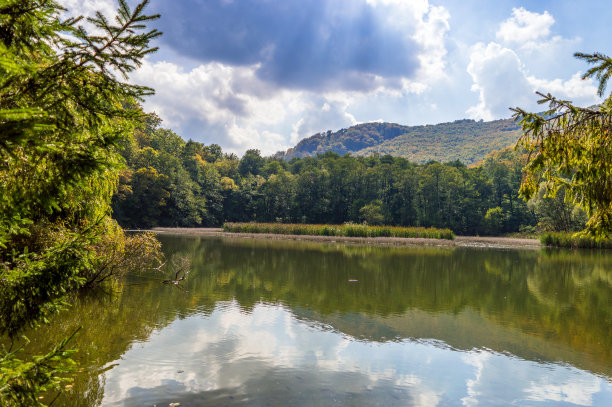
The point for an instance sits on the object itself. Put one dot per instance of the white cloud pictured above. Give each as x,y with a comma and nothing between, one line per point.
579,91
245,137
89,7
228,101
502,82
530,32
431,34
232,107
201,91
499,79
525,27
315,118
430,25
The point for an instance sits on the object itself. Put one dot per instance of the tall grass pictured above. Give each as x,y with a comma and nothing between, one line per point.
347,229
572,241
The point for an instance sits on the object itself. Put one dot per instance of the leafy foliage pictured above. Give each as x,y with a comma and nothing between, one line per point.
575,242
555,213
168,182
570,147
21,381
63,114
117,254
171,182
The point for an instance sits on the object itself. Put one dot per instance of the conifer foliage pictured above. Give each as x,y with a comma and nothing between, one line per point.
571,148
64,110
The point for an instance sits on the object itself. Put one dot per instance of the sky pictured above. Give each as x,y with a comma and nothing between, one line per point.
265,74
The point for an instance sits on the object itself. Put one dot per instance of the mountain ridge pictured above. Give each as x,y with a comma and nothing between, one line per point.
466,140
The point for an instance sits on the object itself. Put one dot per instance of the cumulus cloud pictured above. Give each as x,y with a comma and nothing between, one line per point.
231,106
500,81
525,26
531,32
209,91
217,103
320,116
432,35
427,24
267,74
501,78
316,45
582,92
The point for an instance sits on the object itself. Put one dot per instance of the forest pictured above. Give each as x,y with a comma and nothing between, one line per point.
466,140
172,182
80,160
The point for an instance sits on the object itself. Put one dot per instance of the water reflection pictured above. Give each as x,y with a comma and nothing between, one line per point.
279,323
267,357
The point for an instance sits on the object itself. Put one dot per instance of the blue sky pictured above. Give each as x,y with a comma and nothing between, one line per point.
266,73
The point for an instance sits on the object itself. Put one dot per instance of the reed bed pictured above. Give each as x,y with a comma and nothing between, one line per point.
347,229
575,242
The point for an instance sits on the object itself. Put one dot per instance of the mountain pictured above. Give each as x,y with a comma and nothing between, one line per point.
466,140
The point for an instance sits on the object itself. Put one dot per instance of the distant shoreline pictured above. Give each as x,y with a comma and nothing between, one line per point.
460,241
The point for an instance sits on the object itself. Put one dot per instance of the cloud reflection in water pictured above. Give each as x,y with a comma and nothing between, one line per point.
268,356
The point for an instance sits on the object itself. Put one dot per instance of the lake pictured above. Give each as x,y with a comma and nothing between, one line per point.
289,323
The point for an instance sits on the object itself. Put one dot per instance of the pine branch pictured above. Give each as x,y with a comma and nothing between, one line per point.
602,72
126,48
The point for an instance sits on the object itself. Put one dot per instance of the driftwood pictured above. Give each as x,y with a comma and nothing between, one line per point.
182,265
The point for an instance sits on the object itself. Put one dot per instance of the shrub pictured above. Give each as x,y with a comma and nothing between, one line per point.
575,241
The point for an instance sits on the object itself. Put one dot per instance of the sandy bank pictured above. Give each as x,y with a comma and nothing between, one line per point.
460,241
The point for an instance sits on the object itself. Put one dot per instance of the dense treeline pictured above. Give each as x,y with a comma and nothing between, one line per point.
171,182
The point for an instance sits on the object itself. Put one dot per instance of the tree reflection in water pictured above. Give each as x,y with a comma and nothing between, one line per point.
540,306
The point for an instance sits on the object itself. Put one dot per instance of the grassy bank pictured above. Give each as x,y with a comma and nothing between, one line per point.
347,229
570,241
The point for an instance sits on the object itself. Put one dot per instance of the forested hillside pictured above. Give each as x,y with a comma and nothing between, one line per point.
468,141
172,182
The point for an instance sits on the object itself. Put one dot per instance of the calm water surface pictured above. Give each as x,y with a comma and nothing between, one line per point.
305,324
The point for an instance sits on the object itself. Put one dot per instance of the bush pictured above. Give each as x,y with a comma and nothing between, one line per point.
118,253
494,221
575,241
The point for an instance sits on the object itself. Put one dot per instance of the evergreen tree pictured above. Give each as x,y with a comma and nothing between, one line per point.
570,147
63,114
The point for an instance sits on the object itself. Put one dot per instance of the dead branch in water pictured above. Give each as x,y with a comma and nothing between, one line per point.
181,265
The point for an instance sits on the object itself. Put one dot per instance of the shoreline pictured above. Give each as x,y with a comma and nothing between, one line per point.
459,241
